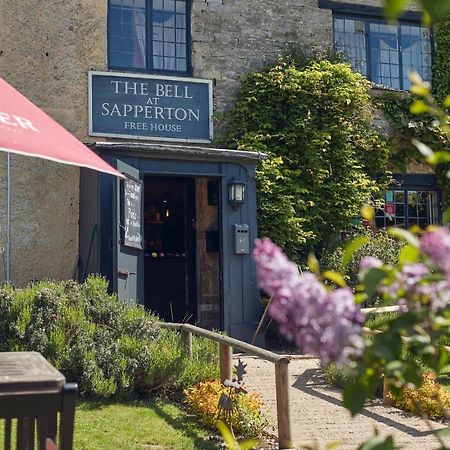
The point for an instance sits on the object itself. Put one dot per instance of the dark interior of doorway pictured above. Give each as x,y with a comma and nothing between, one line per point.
169,253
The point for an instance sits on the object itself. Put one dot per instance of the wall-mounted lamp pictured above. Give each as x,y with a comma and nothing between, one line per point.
236,193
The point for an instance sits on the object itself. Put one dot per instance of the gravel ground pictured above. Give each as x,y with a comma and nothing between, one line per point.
318,416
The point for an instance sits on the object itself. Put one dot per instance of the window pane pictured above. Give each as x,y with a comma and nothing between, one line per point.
169,49
158,62
181,50
126,34
416,51
181,7
169,34
349,38
157,48
384,42
181,35
181,65
169,64
169,5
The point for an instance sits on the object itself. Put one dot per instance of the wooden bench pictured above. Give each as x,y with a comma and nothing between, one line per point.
32,394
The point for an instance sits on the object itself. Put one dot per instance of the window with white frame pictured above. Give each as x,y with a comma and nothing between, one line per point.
149,35
384,53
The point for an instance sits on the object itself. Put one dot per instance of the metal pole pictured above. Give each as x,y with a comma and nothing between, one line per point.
8,219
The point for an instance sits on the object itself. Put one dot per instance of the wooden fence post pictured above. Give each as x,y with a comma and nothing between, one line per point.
187,342
226,362
283,405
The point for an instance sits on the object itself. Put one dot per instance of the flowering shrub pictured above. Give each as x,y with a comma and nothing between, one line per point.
321,322
430,398
246,418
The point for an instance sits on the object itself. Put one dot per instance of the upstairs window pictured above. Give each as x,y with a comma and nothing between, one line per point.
149,35
382,52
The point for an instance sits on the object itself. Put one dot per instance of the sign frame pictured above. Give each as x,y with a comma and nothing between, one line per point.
209,83
122,225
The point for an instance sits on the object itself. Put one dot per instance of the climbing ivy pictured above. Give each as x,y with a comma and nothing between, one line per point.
407,126
441,88
315,123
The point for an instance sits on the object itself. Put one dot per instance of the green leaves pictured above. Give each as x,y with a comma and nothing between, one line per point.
419,107
433,10
355,395
323,153
404,235
335,277
408,255
371,279
393,8
351,248
378,443
231,442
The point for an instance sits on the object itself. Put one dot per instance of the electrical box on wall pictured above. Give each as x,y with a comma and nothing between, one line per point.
241,238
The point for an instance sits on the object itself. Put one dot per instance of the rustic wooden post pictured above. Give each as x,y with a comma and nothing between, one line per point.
226,362
386,400
187,342
283,404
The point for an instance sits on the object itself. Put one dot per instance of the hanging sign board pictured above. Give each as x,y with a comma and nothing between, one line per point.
150,107
131,204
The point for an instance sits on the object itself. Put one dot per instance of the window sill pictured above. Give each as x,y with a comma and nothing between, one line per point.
378,90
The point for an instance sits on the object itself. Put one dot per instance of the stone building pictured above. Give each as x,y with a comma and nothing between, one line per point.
137,80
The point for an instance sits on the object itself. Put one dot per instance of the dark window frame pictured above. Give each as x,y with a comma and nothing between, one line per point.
415,183
149,45
369,18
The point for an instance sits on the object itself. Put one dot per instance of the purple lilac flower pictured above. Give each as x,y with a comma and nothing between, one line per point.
369,262
405,281
436,295
327,324
413,291
436,245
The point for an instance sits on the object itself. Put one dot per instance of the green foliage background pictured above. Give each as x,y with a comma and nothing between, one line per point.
315,122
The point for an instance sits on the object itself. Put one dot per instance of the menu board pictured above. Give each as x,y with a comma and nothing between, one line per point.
131,213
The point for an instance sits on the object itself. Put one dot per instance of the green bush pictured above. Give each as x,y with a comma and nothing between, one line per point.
380,246
314,119
110,348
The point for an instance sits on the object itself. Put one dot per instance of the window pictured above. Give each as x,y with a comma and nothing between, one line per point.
384,53
148,35
405,208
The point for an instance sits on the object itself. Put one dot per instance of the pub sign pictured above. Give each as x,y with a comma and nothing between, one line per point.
150,107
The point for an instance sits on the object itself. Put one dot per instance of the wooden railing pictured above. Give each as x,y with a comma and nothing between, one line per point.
226,346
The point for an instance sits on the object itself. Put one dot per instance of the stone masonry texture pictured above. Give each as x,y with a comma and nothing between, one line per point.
46,51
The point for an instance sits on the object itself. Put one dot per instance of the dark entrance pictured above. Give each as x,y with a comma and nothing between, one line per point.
169,247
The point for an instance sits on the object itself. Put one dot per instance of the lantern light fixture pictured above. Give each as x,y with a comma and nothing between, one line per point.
236,193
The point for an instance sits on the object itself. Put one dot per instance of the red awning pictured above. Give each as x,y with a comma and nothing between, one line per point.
27,130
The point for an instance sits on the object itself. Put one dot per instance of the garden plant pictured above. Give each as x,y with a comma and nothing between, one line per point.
328,321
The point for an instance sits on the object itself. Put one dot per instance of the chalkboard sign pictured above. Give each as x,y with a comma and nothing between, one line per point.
131,213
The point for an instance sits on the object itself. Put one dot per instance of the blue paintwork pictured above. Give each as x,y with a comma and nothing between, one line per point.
240,295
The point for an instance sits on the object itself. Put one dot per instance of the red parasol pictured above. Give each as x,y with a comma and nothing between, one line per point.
27,130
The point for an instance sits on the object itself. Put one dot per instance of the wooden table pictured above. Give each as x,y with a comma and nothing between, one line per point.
34,392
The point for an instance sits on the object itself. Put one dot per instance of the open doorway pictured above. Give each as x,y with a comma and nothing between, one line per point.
169,247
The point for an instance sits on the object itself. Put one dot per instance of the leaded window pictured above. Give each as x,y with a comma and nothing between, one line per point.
384,53
405,208
149,35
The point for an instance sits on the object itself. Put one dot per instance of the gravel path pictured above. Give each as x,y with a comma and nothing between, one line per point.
318,416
